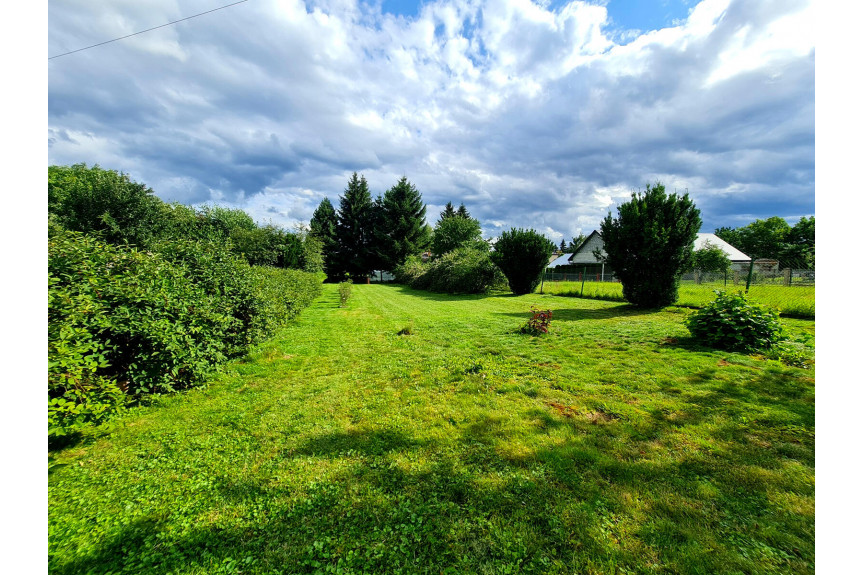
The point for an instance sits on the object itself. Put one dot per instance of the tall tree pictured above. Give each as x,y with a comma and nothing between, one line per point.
323,226
401,230
575,242
773,238
649,245
448,212
354,229
452,233
801,241
462,212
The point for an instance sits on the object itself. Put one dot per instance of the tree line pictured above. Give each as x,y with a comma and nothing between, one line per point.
793,246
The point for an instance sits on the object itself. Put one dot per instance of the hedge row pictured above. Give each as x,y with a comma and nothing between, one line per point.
124,323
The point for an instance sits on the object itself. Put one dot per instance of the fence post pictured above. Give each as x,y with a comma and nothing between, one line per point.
583,275
749,277
787,272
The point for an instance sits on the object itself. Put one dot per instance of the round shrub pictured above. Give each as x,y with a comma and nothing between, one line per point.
730,322
522,255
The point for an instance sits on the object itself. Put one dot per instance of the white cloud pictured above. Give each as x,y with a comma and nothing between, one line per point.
531,116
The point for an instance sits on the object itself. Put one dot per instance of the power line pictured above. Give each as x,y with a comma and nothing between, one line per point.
147,30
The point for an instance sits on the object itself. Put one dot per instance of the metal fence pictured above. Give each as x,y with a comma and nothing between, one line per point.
783,277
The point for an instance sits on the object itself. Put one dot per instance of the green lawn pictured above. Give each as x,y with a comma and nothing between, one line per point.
614,444
792,301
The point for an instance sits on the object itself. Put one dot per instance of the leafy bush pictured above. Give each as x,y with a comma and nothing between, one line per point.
730,322
121,320
344,292
539,322
103,202
280,295
522,255
412,272
463,270
455,232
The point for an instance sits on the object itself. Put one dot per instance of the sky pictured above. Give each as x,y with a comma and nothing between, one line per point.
543,115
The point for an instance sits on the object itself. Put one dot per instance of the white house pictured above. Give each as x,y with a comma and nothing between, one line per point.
583,257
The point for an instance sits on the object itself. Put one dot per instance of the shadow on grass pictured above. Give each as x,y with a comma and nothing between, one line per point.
620,495
577,314
434,296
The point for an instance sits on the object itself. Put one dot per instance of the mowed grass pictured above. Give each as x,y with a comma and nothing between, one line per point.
614,444
792,301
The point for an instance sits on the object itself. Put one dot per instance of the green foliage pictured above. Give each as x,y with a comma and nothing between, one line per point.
773,238
710,259
323,226
152,322
462,270
455,232
539,321
339,446
522,256
313,247
448,212
344,293
574,243
401,230
103,202
649,244
733,323
279,296
354,231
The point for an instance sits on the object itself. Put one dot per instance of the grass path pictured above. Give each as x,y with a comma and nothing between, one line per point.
611,445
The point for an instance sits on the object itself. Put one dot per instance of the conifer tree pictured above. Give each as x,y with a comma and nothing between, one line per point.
462,212
354,229
650,244
401,229
323,226
448,212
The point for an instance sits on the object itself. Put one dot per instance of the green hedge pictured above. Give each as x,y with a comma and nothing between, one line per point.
463,270
123,323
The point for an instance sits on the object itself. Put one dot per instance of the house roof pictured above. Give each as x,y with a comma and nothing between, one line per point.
701,240
561,260
582,246
733,253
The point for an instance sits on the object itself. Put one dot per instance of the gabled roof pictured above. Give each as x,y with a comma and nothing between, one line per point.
701,240
733,253
583,245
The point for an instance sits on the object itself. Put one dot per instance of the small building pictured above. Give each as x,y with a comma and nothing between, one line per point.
584,259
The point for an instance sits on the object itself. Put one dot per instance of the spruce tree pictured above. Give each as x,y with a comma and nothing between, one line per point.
462,212
448,212
323,226
402,229
354,230
649,245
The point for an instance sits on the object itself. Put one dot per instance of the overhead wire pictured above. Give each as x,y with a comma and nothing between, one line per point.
147,30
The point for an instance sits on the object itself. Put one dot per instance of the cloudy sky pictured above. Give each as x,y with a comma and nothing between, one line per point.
533,114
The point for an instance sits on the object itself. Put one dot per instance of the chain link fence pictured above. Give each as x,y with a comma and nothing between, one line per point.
789,290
